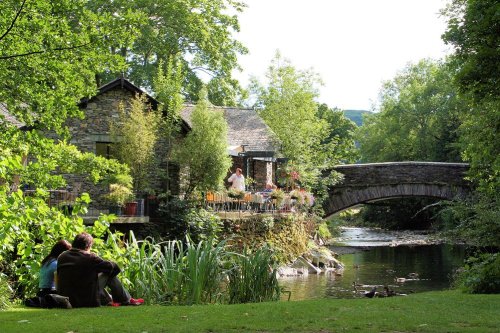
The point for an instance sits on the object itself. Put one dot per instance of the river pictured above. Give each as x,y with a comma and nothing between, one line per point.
374,257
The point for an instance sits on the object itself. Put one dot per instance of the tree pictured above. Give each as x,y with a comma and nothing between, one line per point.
50,52
199,33
225,92
418,118
288,107
474,31
168,87
203,153
135,134
339,145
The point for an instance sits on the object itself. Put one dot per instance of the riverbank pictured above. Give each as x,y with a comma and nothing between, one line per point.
447,311
365,237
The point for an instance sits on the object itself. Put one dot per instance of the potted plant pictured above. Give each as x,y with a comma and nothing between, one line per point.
118,196
250,184
66,207
295,195
120,193
236,194
277,195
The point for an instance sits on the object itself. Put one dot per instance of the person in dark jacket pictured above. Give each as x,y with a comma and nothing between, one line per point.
83,276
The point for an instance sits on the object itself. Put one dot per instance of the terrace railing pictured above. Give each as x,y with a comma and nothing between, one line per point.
255,202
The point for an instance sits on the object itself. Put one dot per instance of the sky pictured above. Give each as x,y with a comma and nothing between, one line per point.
354,45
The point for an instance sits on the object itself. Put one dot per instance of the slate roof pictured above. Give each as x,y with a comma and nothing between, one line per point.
125,84
245,127
5,114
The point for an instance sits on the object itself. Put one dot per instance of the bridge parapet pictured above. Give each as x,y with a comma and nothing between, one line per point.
363,183
403,173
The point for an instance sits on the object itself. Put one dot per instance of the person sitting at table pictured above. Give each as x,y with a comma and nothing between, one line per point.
267,191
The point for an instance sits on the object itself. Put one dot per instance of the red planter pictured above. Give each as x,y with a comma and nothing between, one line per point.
130,208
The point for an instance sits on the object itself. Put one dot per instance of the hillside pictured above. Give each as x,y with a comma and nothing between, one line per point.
356,115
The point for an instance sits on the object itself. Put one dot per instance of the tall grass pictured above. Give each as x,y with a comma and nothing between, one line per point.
253,278
203,272
6,292
173,272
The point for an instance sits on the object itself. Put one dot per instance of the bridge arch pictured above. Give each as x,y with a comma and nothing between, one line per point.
364,183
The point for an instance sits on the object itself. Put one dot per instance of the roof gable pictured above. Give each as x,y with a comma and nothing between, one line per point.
124,83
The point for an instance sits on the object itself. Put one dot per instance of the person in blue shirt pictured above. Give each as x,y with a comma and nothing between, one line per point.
46,283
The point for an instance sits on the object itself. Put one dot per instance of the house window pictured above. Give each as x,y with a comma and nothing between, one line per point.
104,149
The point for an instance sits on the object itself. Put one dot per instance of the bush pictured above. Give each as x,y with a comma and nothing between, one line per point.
183,218
203,225
481,275
323,231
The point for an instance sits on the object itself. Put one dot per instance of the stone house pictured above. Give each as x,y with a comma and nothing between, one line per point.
92,134
253,146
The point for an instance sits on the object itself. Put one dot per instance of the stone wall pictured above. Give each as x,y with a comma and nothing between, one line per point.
403,172
99,112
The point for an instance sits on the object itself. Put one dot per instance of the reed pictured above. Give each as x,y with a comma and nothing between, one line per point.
6,292
203,272
253,278
173,272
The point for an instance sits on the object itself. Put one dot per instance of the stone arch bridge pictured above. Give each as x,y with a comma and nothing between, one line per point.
364,183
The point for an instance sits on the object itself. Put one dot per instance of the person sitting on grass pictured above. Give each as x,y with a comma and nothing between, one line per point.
83,277
46,283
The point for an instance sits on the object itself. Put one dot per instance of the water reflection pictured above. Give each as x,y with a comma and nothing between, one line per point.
382,265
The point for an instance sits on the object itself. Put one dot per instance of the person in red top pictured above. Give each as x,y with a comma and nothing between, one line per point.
83,276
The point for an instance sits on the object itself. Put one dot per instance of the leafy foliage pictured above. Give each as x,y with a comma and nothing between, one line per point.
203,153
50,52
287,106
48,156
477,220
183,218
187,273
339,145
418,118
29,229
481,274
135,134
6,292
199,34
474,32
286,236
314,138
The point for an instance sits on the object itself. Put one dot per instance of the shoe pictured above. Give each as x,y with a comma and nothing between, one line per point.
114,304
134,301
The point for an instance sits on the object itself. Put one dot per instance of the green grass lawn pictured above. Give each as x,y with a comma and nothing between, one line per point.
448,311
